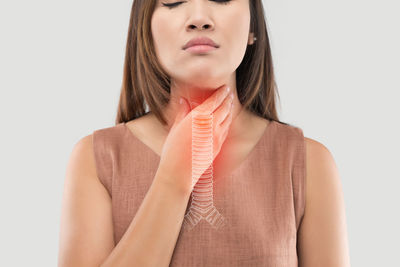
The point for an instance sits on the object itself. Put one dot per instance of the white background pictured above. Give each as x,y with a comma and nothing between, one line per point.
337,69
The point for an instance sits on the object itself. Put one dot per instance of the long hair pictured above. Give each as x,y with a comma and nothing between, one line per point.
146,85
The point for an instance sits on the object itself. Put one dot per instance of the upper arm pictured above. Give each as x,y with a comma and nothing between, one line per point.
322,235
86,233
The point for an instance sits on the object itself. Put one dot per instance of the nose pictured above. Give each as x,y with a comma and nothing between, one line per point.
202,26
199,19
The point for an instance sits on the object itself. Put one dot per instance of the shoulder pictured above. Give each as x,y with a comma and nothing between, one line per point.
317,148
81,161
91,154
85,203
322,175
92,159
83,147
109,131
144,125
288,138
320,161
288,130
108,139
323,227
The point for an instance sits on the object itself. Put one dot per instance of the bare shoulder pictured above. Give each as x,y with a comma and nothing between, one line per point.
82,154
318,151
322,235
315,147
86,218
322,175
82,161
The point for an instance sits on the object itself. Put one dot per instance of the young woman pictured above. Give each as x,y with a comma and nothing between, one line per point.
129,198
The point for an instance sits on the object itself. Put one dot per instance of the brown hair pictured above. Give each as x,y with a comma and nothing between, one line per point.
144,80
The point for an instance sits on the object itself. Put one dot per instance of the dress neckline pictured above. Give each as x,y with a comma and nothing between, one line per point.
240,165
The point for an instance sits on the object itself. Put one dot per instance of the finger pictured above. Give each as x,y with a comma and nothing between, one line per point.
184,109
226,123
211,103
223,110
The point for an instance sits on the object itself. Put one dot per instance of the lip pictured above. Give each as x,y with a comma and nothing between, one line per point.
200,49
200,41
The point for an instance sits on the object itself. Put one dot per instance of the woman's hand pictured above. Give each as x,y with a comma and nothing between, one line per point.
176,156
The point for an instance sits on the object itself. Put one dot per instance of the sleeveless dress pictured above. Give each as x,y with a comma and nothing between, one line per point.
263,199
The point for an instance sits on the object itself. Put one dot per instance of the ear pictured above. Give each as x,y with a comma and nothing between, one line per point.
251,38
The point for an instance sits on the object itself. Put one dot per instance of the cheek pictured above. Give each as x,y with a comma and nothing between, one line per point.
239,24
161,32
238,29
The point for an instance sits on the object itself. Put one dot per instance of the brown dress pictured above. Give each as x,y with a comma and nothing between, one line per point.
262,200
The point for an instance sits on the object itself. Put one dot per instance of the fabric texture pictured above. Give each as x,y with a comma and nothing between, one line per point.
263,199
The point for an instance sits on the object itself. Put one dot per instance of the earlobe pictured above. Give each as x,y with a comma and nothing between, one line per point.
251,39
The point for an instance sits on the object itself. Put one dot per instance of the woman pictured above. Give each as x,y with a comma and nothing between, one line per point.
129,200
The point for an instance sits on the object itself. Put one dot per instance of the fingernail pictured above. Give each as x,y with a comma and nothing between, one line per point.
228,89
180,100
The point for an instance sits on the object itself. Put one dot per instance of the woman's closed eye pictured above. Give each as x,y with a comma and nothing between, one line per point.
172,5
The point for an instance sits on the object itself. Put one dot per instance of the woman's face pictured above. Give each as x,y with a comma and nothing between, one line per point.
227,23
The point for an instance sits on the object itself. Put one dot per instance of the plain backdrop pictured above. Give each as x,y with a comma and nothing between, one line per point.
337,69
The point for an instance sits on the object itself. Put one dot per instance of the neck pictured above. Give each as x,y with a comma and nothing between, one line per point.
197,95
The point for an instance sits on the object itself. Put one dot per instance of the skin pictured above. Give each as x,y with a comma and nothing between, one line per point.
86,220
322,236
323,233
196,76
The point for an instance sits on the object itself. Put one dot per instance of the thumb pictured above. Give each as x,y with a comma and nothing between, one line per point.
183,110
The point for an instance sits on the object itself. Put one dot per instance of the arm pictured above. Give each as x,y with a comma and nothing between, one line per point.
322,235
151,237
86,236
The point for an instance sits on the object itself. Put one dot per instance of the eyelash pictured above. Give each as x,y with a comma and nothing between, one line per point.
172,5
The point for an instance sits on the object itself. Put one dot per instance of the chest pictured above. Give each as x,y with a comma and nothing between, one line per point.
257,205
